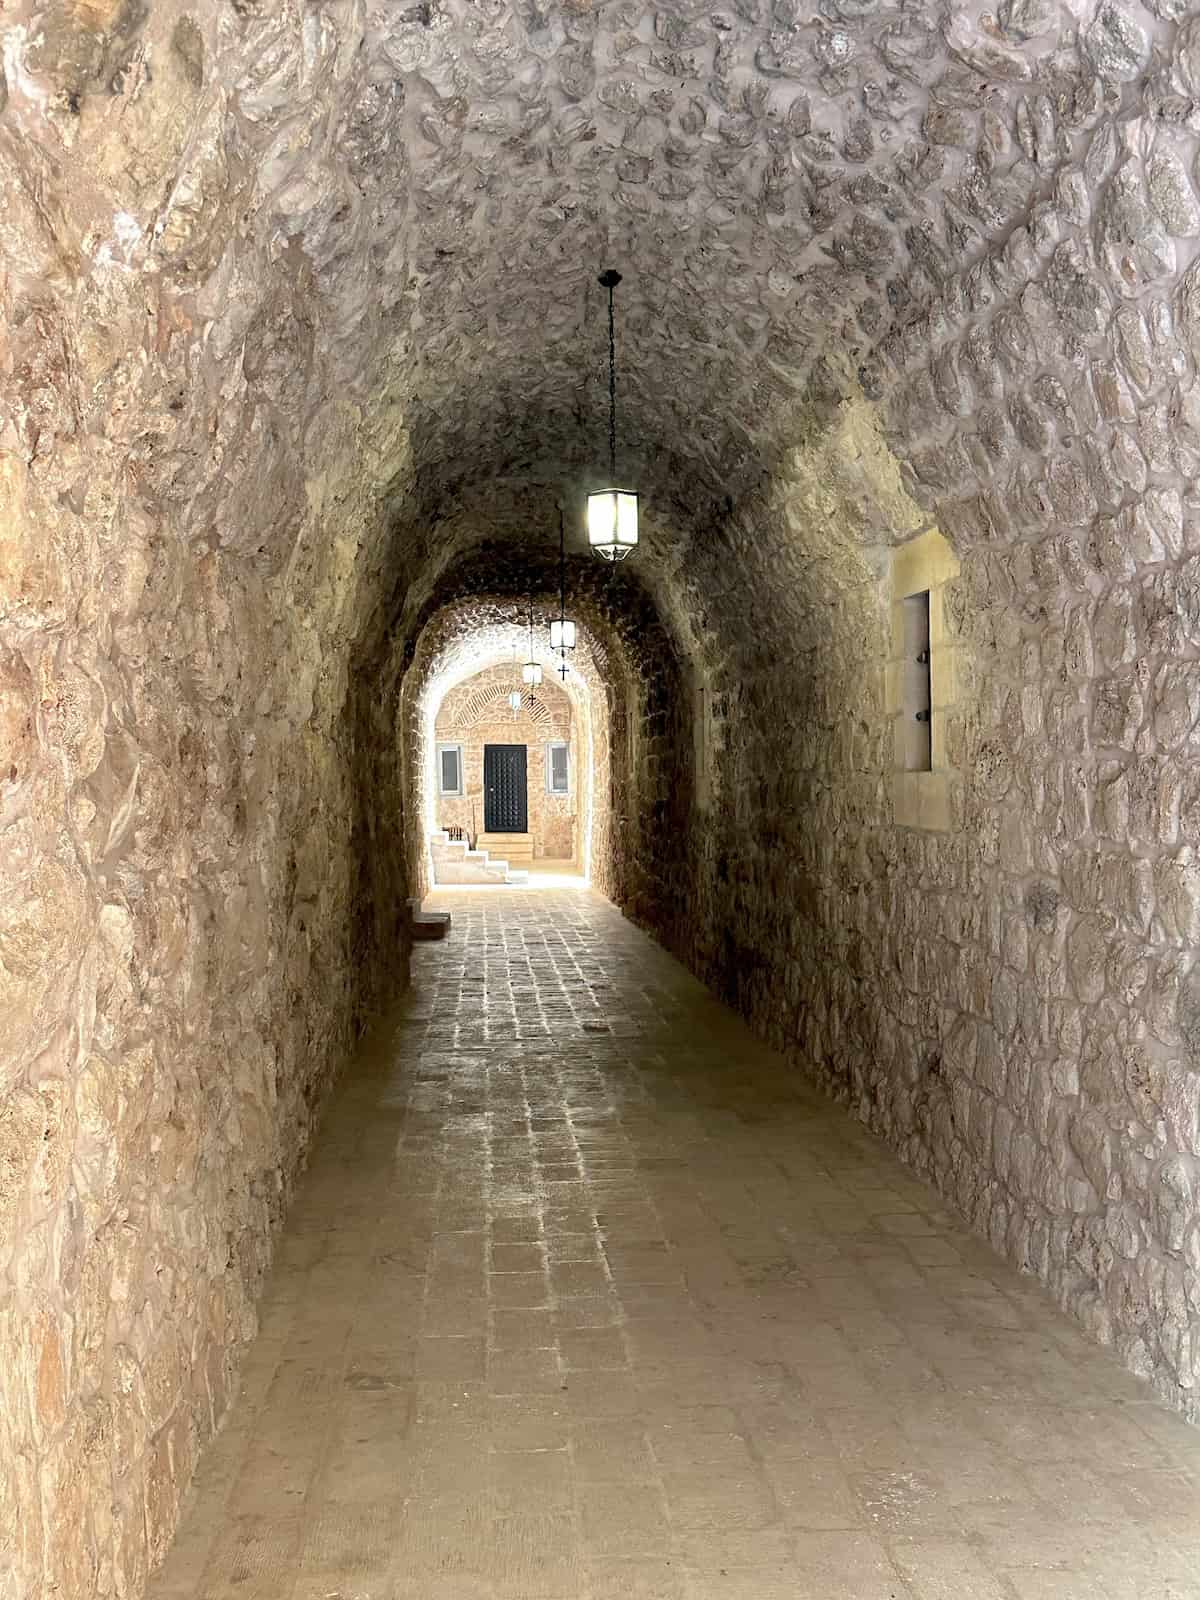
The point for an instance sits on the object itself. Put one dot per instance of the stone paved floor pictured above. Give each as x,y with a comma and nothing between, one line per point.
585,1297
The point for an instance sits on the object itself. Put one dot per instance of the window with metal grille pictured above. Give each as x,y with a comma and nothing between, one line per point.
558,768
917,685
450,769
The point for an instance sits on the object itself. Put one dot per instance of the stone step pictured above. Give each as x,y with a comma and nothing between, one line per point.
454,863
416,909
512,846
469,874
427,924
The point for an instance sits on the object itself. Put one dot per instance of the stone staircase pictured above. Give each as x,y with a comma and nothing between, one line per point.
453,862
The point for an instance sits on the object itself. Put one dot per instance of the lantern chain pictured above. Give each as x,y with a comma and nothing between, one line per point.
612,388
562,566
610,279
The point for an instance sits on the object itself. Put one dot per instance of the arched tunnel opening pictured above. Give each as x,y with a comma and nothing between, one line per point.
782,1176
481,722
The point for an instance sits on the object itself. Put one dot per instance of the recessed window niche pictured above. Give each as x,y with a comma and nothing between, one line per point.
701,742
922,681
917,696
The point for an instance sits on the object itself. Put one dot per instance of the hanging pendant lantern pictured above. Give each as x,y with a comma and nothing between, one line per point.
612,514
514,698
562,632
532,670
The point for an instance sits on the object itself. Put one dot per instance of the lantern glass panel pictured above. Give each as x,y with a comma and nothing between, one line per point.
626,518
613,522
601,517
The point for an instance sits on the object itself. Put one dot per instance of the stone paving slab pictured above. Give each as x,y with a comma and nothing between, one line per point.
631,1313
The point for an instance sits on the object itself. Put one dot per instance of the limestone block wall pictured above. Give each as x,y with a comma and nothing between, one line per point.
475,713
1068,1124
1003,981
188,509
998,971
177,883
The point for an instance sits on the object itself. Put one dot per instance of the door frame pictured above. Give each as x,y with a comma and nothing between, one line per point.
488,788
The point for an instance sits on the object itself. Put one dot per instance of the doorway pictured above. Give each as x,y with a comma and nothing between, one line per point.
505,788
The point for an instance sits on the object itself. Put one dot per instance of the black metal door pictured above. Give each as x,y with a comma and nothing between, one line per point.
505,789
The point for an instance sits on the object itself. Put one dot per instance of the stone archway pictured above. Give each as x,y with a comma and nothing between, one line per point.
476,713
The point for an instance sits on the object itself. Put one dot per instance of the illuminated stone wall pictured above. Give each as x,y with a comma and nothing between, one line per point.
476,713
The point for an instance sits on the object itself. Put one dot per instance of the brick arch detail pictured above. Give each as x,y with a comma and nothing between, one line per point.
488,705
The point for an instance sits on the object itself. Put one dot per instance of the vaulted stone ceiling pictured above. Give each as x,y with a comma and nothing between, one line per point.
779,187
411,203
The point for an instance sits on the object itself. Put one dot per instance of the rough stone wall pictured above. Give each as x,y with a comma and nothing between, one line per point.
1011,999
177,882
1072,1078
475,713
187,486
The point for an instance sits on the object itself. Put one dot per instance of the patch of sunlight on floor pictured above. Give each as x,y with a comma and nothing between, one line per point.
539,875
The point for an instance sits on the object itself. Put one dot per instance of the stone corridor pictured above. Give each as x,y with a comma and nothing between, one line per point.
315,383
586,1296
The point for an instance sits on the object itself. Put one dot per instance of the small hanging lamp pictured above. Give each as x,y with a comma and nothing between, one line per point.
612,513
562,632
532,670
514,698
